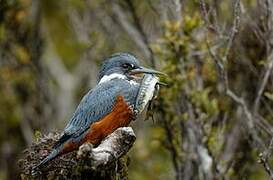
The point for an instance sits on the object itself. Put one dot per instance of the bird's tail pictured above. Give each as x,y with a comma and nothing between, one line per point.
51,156
57,148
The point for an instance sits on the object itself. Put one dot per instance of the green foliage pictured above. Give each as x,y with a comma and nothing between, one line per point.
205,103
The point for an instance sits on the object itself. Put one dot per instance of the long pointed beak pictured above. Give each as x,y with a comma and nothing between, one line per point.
146,71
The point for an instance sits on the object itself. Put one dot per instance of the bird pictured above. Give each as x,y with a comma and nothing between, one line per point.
106,107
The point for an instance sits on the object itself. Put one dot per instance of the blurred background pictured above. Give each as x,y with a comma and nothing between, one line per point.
214,121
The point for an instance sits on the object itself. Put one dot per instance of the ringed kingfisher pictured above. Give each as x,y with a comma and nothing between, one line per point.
106,107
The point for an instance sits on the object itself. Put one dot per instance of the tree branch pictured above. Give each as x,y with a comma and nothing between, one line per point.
99,162
130,29
140,29
263,84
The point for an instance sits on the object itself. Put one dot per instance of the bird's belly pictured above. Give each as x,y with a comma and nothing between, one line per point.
120,116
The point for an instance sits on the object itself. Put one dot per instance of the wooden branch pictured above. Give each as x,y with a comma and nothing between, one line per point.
234,29
131,30
140,29
269,68
105,161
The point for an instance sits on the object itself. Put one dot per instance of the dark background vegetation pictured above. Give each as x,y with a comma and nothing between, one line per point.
213,121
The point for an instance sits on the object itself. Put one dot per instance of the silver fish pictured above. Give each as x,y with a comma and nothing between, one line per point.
148,91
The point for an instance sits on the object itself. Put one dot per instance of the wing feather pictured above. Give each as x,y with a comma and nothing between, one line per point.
97,103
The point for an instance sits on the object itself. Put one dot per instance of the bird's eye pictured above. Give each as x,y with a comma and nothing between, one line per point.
128,66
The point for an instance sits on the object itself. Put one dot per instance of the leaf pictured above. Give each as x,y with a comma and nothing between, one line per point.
269,95
22,54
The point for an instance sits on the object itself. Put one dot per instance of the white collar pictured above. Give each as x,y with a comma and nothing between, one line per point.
106,78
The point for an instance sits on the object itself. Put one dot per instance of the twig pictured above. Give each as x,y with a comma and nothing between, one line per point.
205,14
221,63
234,29
263,159
263,84
250,123
217,60
241,102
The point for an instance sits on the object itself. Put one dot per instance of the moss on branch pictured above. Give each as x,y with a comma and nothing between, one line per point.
106,161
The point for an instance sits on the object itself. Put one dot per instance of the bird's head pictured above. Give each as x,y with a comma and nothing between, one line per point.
124,64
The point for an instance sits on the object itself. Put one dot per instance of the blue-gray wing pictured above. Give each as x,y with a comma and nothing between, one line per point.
97,103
